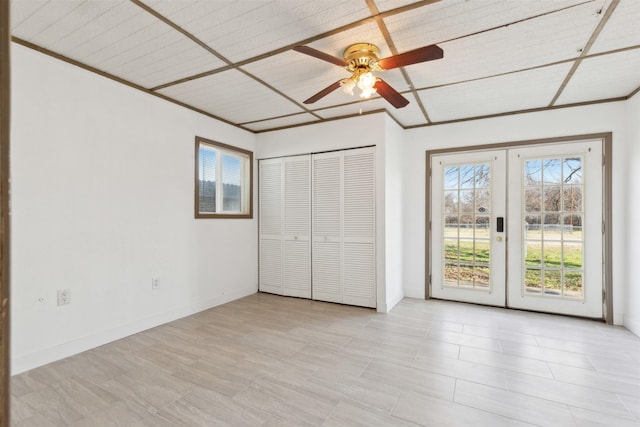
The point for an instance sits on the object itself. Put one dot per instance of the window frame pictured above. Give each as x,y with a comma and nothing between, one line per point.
224,149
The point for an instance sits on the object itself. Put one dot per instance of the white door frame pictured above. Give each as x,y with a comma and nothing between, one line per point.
607,205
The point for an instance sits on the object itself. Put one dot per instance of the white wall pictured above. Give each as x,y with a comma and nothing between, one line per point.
610,117
102,201
394,194
632,229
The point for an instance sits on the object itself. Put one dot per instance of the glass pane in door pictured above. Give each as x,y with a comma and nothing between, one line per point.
466,219
553,214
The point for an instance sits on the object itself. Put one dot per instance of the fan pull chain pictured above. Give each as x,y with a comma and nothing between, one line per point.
360,106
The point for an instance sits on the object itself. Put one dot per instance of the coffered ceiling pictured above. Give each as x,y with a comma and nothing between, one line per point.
233,59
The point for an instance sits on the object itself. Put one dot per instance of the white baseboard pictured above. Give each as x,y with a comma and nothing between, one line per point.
394,301
632,324
388,306
22,363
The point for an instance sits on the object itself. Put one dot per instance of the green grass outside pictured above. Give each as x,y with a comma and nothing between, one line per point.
550,266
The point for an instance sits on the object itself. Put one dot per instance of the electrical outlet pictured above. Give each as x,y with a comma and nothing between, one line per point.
155,283
64,296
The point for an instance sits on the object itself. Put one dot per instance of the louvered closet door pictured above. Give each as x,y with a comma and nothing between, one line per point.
270,204
359,272
344,227
297,226
327,227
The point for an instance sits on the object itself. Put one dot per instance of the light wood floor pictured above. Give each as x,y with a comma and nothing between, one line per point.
277,361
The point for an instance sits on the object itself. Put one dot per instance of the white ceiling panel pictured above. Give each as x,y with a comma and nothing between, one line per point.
446,20
521,46
622,29
385,5
245,29
117,37
300,76
514,92
233,96
31,18
281,122
603,77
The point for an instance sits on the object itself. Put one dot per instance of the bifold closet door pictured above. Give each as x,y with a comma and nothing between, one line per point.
327,227
344,227
297,226
359,228
285,226
270,211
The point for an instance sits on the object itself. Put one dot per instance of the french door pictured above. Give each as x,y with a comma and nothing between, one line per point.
520,227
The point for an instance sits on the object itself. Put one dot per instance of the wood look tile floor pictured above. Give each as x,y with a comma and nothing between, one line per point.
266,360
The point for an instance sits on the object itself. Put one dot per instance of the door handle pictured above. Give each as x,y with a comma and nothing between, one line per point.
500,224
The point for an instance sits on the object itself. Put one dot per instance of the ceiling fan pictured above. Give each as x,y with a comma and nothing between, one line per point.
360,60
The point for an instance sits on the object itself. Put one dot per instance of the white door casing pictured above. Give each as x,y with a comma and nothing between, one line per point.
552,195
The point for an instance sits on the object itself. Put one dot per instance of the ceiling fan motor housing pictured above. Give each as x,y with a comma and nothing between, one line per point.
362,58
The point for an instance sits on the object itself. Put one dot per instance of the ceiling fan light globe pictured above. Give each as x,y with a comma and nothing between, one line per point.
367,92
366,81
347,86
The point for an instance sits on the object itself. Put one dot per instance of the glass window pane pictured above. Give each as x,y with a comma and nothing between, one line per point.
572,228
533,172
552,198
572,198
481,277
552,285
482,248
552,171
466,226
467,176
572,170
451,177
483,201
533,281
551,224
573,284
533,254
450,250
467,201
207,179
451,226
552,252
482,230
466,276
451,274
231,180
572,252
533,199
483,175
466,251
532,225
451,201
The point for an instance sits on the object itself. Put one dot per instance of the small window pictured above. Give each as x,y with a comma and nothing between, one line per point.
224,176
